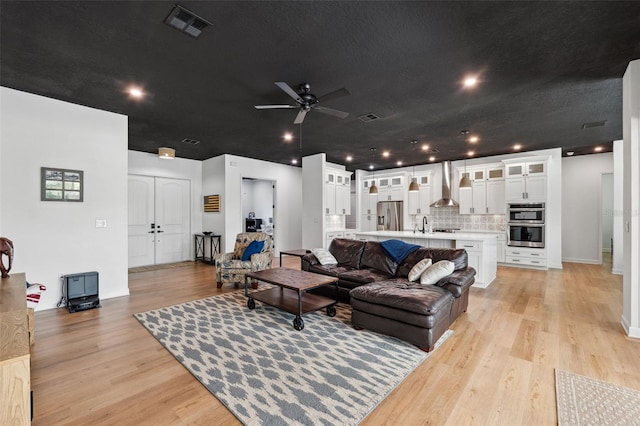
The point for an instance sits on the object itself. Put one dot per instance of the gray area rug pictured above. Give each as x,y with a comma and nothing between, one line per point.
267,373
585,401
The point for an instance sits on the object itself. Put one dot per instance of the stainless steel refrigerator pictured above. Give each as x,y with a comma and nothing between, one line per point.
390,215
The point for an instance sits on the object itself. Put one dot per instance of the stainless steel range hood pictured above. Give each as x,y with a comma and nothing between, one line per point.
446,200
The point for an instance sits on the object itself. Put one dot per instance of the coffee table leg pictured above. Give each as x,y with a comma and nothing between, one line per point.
298,323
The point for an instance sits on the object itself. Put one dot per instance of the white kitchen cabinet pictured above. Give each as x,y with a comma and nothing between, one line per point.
486,195
495,197
526,181
391,188
525,256
419,202
368,223
501,248
369,202
337,189
482,257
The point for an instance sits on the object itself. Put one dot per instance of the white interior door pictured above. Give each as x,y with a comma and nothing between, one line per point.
159,220
141,195
172,220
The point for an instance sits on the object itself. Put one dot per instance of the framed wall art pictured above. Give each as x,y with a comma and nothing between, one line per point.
61,184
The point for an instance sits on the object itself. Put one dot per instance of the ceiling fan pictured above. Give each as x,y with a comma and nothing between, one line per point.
306,101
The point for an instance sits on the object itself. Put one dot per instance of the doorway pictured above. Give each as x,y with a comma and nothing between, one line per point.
158,220
258,206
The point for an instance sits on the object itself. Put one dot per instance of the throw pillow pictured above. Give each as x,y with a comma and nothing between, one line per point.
324,256
397,250
418,269
253,248
436,272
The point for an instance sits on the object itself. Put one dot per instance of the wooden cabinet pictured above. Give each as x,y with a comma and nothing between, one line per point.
419,202
526,181
15,357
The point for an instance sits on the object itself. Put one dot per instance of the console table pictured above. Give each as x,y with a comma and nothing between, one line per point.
206,246
15,355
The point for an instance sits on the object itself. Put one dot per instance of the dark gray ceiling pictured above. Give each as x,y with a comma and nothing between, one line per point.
546,68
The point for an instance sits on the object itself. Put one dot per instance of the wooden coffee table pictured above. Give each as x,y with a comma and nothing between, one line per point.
291,294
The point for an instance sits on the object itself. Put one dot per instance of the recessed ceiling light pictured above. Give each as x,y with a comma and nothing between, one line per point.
474,139
471,81
425,147
570,153
349,158
386,153
471,153
432,158
399,163
517,147
294,161
288,137
370,166
135,92
597,149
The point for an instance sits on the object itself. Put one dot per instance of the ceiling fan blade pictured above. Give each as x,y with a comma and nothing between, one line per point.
331,111
335,94
300,117
276,106
288,90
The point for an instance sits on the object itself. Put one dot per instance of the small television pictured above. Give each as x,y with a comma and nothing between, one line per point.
81,291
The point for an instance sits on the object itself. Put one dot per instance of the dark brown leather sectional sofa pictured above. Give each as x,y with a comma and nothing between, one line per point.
382,297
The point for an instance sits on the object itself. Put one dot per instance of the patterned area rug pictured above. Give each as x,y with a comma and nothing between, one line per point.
585,401
267,373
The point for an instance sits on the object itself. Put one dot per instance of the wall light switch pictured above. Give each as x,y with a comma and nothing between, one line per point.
101,223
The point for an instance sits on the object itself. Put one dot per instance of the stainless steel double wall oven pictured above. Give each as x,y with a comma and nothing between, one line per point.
526,225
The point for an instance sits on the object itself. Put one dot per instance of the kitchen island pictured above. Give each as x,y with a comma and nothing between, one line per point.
481,247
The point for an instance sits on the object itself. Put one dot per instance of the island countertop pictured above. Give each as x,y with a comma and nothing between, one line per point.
451,236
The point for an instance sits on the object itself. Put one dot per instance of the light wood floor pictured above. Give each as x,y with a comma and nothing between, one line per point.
101,367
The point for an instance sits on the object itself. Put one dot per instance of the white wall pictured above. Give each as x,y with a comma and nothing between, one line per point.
223,175
50,237
617,266
313,217
147,164
582,206
607,212
631,199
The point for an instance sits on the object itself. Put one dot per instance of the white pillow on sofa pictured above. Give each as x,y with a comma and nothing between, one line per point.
418,269
436,272
324,256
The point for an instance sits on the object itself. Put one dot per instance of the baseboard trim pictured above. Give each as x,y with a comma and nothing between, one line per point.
633,332
617,271
588,261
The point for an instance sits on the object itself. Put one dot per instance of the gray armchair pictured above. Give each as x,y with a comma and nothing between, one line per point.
230,268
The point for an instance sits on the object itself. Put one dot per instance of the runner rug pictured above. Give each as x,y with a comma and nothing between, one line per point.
585,401
267,373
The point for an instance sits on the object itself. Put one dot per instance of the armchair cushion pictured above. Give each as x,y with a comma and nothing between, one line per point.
254,247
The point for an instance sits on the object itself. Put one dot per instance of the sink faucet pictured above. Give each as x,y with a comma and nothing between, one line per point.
424,223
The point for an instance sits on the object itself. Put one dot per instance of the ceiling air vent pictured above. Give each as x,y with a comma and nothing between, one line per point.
188,22
594,124
190,141
365,118
434,151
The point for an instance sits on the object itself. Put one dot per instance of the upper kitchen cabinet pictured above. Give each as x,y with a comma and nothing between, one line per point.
337,192
419,201
487,193
391,188
526,180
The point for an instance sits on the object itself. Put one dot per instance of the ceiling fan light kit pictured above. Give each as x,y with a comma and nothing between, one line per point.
307,101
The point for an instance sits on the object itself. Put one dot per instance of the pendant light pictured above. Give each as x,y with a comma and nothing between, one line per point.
413,186
373,189
465,182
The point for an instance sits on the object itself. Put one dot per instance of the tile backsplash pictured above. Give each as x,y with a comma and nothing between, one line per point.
450,217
